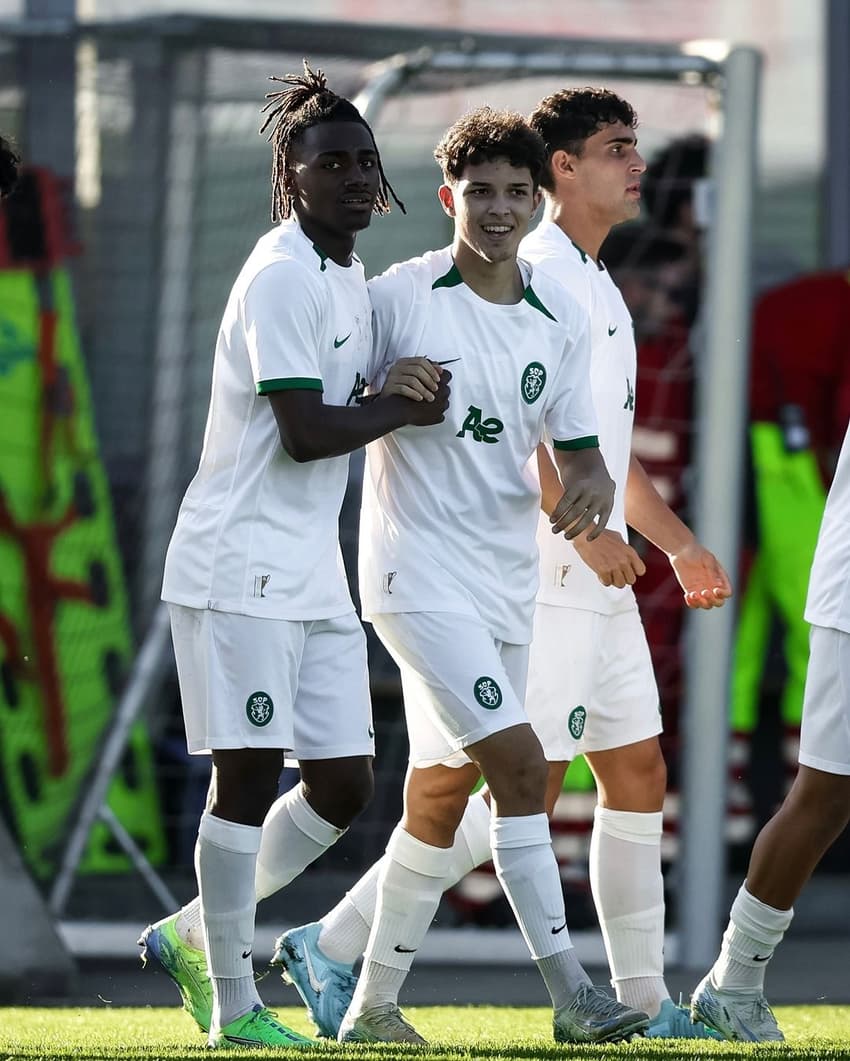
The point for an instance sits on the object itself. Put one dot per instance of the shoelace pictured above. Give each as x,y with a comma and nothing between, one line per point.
269,1016
600,1003
392,1017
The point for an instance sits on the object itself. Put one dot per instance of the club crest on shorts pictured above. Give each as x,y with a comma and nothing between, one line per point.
533,382
576,721
259,709
488,693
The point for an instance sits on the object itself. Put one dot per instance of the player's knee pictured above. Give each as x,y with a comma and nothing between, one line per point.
341,792
827,811
243,790
435,820
520,788
655,778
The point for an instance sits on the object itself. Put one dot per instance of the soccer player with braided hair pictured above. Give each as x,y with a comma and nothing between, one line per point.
271,657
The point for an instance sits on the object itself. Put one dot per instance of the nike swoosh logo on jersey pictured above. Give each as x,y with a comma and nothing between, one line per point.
759,958
317,984
555,931
404,950
341,342
612,330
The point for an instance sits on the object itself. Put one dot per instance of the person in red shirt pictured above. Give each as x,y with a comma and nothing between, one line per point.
799,405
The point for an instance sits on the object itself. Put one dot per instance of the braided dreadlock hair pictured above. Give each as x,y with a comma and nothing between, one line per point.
306,102
9,163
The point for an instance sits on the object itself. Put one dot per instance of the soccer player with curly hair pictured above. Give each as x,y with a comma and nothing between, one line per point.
448,575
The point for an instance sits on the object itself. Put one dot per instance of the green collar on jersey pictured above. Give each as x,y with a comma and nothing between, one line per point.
585,257
453,279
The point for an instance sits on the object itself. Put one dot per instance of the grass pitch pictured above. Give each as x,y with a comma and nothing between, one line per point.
493,1033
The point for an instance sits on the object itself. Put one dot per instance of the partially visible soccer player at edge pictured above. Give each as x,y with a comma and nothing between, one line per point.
448,571
270,653
591,688
816,810
9,167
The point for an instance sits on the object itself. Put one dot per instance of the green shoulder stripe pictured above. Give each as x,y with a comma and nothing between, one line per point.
290,383
532,299
587,442
451,279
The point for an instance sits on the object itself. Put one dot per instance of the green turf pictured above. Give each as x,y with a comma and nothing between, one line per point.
498,1034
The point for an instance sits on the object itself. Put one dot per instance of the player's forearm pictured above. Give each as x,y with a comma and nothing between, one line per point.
550,482
650,515
337,429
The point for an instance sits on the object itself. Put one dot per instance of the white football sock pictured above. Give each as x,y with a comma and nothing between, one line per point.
409,891
294,835
628,890
345,928
528,872
753,933
189,925
225,864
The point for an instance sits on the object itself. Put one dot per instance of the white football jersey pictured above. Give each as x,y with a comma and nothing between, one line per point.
565,579
258,533
449,512
828,602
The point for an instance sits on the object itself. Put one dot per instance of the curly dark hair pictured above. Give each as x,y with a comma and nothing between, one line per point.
483,135
306,102
567,118
10,162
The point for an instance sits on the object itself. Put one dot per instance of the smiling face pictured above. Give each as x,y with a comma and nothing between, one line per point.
606,174
492,205
335,178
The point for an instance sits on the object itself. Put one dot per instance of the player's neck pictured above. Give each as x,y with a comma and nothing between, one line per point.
498,282
338,246
585,230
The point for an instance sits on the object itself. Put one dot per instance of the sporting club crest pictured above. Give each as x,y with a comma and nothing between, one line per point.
576,721
259,709
488,693
533,382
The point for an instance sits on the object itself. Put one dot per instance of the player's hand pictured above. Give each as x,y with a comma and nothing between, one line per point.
588,497
701,576
614,561
416,378
428,413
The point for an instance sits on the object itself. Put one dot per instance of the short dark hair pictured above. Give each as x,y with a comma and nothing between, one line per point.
567,118
484,135
291,112
10,162
668,182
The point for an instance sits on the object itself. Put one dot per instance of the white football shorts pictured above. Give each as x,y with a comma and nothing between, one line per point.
591,686
247,682
825,729
460,685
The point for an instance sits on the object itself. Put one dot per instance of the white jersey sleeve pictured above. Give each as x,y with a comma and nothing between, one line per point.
571,418
392,295
283,348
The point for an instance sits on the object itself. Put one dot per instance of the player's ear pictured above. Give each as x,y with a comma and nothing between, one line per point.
447,199
563,165
537,199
